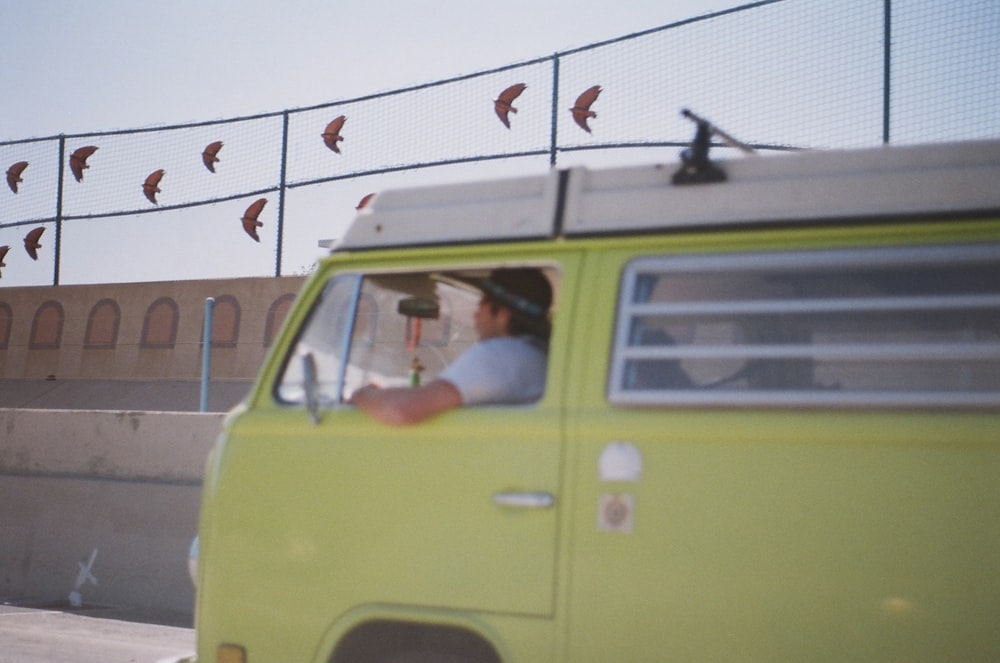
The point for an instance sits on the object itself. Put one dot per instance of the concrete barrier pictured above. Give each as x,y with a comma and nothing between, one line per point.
126,484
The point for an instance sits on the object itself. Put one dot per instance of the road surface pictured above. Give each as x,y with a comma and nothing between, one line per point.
29,635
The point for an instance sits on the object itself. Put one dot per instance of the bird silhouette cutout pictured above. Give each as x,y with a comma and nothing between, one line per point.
502,104
581,109
331,136
3,254
250,222
78,161
365,202
210,156
14,175
31,244
151,186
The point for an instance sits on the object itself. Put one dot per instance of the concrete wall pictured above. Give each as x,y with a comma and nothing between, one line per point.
127,484
140,331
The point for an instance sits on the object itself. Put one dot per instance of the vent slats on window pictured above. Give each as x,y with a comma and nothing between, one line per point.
871,327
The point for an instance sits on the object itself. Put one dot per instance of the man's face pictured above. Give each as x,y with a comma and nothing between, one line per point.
490,323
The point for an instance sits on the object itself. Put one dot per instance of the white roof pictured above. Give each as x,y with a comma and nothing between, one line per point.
809,186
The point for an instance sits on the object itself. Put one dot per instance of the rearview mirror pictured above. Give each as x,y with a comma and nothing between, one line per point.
418,307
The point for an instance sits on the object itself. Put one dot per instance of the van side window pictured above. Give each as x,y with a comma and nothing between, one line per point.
870,327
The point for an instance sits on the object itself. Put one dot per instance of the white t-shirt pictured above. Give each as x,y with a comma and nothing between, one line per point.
505,369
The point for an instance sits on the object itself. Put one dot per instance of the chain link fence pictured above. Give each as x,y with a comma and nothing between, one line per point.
776,74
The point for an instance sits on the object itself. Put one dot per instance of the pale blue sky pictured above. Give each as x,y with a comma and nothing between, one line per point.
70,66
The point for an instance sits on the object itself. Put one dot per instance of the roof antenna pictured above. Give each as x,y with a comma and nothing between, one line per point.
696,167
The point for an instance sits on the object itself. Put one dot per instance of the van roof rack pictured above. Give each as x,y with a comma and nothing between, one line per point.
696,167
787,188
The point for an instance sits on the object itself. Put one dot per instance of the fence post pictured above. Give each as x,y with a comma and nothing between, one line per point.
57,241
281,193
554,135
206,352
886,67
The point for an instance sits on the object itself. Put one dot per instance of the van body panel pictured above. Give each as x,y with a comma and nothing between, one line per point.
780,534
789,536
423,525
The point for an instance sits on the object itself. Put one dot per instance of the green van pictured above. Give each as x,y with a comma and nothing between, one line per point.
770,429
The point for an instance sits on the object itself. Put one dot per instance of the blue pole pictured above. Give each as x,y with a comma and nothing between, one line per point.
206,352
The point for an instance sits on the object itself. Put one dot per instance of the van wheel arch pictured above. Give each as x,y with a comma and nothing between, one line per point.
390,641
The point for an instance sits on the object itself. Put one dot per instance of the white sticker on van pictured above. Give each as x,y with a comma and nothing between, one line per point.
620,461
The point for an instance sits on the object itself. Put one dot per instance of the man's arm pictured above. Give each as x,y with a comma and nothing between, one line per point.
400,406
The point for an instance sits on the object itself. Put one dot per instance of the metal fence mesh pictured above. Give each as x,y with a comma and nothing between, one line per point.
776,74
945,73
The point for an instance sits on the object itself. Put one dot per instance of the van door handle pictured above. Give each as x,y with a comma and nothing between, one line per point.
536,500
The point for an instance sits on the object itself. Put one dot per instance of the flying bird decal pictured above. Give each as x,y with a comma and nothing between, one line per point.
31,244
209,156
331,136
14,174
78,161
581,109
250,222
151,186
502,104
3,254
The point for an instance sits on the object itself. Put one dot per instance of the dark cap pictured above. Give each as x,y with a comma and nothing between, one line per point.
524,290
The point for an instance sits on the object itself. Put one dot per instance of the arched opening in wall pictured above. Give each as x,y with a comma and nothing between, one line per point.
6,322
47,326
159,327
276,317
225,322
102,325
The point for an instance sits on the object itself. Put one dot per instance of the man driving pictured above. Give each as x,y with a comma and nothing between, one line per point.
506,366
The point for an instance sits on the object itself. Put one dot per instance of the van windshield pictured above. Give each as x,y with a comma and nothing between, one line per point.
395,329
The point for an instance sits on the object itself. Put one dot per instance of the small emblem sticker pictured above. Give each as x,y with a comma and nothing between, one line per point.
616,513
